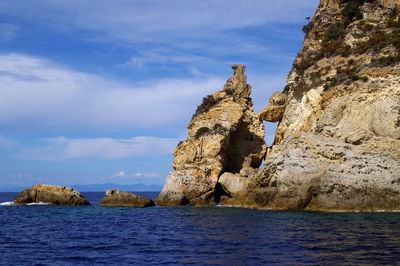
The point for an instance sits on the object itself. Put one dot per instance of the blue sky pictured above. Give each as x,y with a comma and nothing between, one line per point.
102,91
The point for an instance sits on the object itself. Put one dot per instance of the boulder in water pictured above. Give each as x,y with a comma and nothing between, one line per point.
57,195
115,197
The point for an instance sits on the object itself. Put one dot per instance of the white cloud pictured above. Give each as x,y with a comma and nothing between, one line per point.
120,174
132,20
39,94
36,93
145,174
21,175
160,32
62,148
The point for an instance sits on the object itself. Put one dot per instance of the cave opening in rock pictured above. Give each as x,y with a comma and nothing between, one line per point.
219,192
243,145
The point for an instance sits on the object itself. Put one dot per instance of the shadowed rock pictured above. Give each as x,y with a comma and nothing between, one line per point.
56,195
115,197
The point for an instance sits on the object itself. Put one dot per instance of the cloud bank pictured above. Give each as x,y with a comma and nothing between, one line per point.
62,148
37,94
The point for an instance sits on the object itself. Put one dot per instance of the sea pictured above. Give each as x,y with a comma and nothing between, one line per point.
94,235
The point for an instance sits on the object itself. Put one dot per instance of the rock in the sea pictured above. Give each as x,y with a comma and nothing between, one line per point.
56,195
224,136
337,146
115,197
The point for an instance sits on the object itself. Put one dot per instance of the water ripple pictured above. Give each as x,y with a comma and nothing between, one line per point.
56,235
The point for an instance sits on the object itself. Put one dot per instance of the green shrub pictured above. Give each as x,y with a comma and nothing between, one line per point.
352,8
352,11
378,41
386,60
345,75
334,32
306,28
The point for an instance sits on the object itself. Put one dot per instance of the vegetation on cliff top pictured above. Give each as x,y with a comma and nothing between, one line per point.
333,37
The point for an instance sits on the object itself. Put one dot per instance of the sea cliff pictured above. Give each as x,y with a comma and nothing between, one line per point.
337,145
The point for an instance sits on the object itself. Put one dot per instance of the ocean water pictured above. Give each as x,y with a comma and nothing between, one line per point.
93,235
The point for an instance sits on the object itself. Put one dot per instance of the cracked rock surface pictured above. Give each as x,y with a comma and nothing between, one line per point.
337,144
225,135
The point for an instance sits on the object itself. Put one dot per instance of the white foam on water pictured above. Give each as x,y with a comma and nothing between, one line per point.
38,203
7,203
387,211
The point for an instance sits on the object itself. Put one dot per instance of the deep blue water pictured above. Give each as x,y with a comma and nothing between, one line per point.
56,235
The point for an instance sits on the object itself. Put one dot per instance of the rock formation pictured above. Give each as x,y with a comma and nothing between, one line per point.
224,136
115,197
337,145
274,112
56,195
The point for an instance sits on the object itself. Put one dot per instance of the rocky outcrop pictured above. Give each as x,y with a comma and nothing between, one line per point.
56,195
274,112
118,198
224,136
337,144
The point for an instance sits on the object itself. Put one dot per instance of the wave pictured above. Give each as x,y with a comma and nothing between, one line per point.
38,203
7,203
11,203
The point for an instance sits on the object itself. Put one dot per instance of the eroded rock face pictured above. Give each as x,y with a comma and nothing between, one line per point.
118,198
274,112
56,195
337,144
224,136
338,140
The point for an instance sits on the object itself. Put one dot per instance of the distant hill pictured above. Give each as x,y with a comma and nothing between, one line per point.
95,187
104,187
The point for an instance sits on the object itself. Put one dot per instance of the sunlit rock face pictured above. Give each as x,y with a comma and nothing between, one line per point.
119,198
337,145
224,135
338,141
56,195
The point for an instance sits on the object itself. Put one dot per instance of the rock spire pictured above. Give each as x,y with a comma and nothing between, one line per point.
224,136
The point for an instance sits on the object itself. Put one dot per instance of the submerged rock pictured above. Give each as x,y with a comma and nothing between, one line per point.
56,195
224,136
115,197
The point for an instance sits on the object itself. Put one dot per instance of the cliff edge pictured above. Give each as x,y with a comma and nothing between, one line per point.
337,145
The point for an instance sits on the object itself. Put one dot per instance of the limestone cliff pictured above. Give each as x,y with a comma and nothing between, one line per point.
224,136
337,145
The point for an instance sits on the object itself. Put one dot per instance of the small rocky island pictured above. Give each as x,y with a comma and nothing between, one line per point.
337,145
55,195
118,198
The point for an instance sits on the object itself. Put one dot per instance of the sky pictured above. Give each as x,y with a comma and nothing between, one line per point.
99,91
